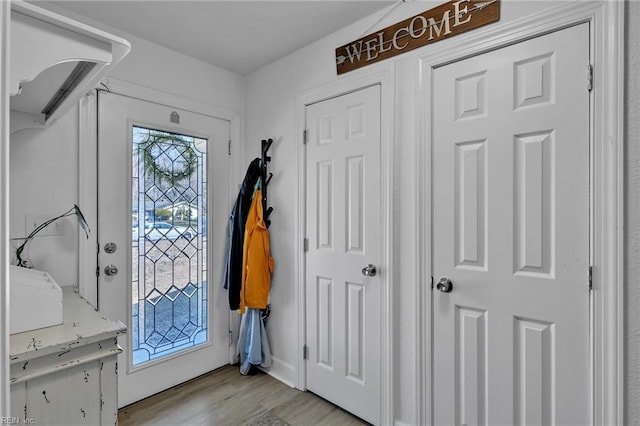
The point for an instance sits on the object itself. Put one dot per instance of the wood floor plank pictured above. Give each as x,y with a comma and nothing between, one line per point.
225,397
305,409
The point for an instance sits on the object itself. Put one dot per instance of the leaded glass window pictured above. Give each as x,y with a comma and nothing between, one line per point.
169,243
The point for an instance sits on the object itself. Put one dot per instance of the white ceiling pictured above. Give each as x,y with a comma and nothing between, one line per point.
240,36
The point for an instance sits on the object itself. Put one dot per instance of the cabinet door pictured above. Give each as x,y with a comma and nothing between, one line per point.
71,396
109,390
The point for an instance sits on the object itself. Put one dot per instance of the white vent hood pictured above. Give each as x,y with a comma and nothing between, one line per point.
54,62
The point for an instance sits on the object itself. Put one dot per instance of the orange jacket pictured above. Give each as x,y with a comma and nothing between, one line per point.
257,263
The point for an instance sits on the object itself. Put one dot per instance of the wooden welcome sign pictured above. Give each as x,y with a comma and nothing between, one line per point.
447,20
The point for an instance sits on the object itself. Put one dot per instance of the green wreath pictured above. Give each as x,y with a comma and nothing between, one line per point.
169,175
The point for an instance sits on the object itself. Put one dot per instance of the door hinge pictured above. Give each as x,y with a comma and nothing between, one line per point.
230,338
98,271
229,146
590,277
305,352
431,283
305,134
305,244
589,77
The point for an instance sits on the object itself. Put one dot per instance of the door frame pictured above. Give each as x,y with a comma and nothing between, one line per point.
5,249
384,76
88,171
607,196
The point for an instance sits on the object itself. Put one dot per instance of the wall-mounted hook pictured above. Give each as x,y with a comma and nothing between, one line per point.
266,144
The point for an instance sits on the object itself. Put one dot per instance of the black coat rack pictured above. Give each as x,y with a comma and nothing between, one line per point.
266,178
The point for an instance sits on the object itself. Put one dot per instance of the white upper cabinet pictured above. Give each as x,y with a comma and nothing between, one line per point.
54,61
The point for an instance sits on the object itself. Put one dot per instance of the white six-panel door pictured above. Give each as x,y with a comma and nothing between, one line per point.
343,229
511,232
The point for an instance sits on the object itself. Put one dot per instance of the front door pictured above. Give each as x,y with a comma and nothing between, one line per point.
511,235
163,209
343,231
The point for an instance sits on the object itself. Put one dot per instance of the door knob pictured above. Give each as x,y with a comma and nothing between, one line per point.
369,270
445,285
111,270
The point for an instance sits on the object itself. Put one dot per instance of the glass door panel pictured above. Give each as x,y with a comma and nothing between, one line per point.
169,243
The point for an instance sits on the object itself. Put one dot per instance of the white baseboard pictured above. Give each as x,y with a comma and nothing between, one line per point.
282,371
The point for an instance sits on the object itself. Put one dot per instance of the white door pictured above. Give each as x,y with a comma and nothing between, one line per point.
163,203
343,231
511,232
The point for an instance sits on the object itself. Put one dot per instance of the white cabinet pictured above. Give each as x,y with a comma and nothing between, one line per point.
67,374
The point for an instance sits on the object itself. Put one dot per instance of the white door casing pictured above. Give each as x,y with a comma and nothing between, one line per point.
344,234
5,24
511,231
116,116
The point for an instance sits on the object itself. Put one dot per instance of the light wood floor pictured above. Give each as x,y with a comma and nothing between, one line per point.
225,397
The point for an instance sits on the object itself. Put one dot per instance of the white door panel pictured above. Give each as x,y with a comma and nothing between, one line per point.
511,231
174,229
343,228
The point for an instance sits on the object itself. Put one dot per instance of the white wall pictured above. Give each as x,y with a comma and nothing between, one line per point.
166,70
632,215
270,112
44,179
44,163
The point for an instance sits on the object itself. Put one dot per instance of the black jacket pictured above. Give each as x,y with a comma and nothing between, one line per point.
237,222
